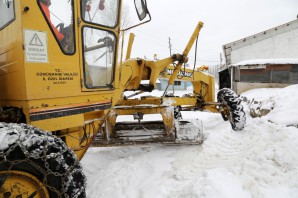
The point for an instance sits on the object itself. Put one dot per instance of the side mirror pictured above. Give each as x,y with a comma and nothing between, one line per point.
142,11
141,8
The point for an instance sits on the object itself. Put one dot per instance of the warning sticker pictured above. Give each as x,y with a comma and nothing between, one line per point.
36,46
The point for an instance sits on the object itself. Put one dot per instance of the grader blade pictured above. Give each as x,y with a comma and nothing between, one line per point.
149,131
168,130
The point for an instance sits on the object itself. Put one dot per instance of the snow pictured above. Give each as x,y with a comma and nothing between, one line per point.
267,61
259,161
7,136
282,100
146,82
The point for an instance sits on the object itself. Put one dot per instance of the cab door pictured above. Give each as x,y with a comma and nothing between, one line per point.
99,33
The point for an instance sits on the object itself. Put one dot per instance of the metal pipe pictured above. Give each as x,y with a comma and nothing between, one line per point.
129,46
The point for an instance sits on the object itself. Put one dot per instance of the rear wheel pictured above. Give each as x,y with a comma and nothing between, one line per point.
34,163
232,108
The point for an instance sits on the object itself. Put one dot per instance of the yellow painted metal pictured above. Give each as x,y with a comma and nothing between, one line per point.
168,119
40,84
134,70
157,67
110,124
143,109
73,138
166,112
80,138
203,88
203,83
57,87
22,184
59,123
186,50
129,46
54,86
177,101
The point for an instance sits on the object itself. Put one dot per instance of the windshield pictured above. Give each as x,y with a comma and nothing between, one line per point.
101,12
6,12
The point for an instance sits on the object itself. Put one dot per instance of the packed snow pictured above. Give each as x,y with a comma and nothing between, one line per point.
259,161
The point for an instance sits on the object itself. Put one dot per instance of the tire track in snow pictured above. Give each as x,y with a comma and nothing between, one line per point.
226,149
254,156
222,148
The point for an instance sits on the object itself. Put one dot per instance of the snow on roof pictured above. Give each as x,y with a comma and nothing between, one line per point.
267,61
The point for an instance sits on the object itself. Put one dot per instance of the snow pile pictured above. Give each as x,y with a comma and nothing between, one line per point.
260,161
280,103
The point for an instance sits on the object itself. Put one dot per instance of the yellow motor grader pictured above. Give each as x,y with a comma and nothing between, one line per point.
62,82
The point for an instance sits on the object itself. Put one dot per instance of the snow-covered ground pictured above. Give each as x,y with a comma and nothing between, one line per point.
259,161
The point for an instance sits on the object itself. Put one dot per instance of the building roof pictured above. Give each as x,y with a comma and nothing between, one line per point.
275,61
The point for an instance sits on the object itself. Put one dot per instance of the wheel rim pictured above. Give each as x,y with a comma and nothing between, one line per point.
225,113
21,184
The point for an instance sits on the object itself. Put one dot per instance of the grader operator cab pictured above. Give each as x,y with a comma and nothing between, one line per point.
60,72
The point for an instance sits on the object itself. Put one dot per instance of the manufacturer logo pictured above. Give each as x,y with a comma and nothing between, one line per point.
180,73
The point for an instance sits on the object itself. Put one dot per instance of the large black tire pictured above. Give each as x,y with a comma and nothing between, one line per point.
29,149
232,102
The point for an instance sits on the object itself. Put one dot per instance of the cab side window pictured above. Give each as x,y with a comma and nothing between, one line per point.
6,12
100,12
59,15
99,57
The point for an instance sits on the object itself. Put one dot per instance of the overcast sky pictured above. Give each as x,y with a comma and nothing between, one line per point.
225,21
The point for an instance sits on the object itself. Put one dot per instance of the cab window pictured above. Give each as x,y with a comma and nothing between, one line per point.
6,12
59,15
99,57
101,12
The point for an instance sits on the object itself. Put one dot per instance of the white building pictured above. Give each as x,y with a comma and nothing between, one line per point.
266,59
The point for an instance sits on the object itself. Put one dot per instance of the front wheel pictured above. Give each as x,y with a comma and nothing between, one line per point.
34,163
231,108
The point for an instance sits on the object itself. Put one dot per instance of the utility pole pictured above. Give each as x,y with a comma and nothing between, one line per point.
170,46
